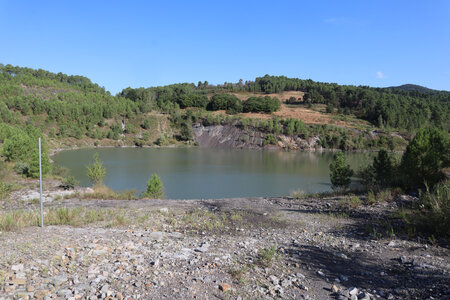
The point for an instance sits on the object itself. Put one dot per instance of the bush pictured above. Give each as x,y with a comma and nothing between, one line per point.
69,183
33,171
192,100
341,172
155,188
227,102
96,172
21,168
434,216
261,104
425,157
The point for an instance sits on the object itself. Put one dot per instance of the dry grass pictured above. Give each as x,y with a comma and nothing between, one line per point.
101,191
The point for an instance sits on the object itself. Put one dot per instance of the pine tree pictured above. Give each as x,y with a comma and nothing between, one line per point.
341,172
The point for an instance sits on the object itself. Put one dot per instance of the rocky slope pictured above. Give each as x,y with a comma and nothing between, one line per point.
231,136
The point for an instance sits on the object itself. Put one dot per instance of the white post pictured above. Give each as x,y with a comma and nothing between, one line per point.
40,184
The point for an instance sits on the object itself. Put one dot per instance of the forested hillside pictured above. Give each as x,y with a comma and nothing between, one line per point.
71,110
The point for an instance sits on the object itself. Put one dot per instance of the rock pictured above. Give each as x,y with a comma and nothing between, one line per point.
342,255
58,280
274,279
100,252
30,289
203,248
41,294
224,287
353,291
392,244
17,268
320,273
285,283
19,281
164,210
334,289
300,276
157,235
343,277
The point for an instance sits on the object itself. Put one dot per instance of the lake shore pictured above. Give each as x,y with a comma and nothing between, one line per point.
278,247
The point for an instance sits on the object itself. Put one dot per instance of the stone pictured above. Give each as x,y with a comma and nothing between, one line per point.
320,273
17,268
334,288
224,287
41,294
342,255
164,210
203,248
30,288
58,280
343,278
285,283
19,281
157,235
274,279
353,291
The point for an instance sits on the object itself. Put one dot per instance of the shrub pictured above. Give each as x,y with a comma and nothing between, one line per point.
96,172
69,183
227,102
33,171
192,100
341,172
21,168
155,188
434,217
425,157
261,104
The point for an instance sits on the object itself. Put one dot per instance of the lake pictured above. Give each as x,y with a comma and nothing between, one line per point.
189,173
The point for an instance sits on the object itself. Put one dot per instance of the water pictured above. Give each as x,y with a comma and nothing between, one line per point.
189,173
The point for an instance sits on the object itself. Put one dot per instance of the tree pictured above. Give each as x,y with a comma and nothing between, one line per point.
383,167
425,157
96,171
341,172
33,171
155,188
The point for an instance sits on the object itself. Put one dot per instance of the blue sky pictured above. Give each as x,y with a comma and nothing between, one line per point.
147,43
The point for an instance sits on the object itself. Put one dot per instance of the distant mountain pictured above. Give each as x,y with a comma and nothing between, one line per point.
413,88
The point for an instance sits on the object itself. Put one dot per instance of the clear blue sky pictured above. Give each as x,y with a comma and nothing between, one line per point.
147,43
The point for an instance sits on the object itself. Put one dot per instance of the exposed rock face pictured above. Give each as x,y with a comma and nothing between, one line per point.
232,136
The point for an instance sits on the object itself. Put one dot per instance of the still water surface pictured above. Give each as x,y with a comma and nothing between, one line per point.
189,173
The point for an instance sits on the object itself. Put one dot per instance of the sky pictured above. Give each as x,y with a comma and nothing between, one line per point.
149,43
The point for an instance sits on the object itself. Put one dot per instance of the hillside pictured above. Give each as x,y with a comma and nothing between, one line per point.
71,111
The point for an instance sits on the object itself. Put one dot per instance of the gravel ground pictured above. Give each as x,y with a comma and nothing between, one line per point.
246,248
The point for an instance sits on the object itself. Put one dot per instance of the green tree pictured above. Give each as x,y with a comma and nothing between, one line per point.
425,157
96,171
340,172
384,168
155,188
33,171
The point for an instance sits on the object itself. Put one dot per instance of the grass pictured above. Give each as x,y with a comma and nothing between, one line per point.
266,256
103,192
349,202
19,219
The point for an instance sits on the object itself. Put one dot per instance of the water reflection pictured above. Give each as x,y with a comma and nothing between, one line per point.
210,173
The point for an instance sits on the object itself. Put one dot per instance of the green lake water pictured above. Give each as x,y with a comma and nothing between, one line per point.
189,173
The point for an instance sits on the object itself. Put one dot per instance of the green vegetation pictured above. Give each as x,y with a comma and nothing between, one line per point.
341,172
261,104
425,157
96,171
155,188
